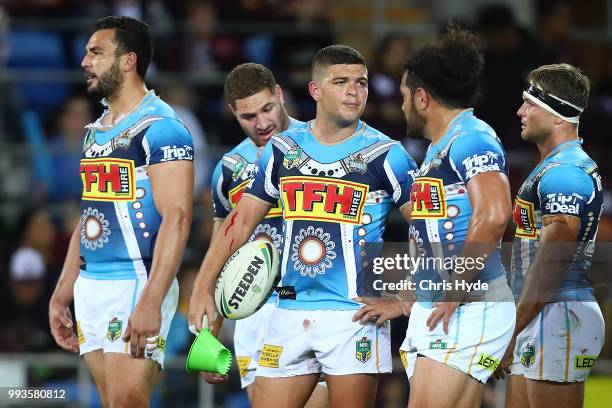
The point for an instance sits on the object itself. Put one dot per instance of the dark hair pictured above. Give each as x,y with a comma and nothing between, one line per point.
131,35
334,55
449,68
564,81
246,80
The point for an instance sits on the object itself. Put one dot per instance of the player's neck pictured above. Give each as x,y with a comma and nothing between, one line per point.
329,132
554,140
127,98
438,123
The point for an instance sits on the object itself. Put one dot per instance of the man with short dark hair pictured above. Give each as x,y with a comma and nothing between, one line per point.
137,175
559,329
336,179
257,102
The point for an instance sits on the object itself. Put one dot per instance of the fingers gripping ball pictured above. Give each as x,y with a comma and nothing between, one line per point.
247,280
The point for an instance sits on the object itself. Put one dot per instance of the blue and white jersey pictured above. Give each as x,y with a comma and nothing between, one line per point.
566,182
335,199
231,177
119,221
441,208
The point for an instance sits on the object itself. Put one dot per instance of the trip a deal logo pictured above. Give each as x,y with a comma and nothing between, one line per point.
236,193
323,199
427,197
108,179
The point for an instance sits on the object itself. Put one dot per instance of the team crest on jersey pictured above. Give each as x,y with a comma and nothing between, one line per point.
357,164
524,218
428,199
108,179
114,329
528,356
124,139
235,194
292,158
323,199
363,349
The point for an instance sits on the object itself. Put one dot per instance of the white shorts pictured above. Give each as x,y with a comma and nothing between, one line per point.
478,335
561,343
103,307
300,342
248,339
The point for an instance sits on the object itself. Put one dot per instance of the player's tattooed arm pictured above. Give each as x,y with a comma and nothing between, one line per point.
233,233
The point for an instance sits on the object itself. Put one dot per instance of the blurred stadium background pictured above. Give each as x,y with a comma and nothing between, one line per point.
43,109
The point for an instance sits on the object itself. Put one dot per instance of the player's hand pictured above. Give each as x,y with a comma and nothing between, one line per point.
60,321
214,378
442,311
503,369
143,329
202,311
380,310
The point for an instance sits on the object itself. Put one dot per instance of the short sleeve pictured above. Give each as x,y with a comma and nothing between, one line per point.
168,140
565,190
399,169
218,185
477,153
264,184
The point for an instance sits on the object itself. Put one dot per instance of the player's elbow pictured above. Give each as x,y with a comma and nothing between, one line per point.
494,220
179,217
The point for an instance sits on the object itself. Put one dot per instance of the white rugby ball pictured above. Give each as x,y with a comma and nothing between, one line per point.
247,280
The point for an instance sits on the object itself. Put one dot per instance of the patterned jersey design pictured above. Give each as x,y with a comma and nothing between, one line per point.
566,182
441,207
335,199
231,177
119,221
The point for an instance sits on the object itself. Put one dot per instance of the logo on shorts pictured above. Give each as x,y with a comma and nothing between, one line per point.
528,356
404,358
584,362
269,356
161,344
80,334
363,349
292,158
114,329
488,362
437,345
243,364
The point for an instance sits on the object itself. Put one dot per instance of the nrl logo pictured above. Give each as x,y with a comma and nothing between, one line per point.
363,349
528,356
357,164
292,158
239,169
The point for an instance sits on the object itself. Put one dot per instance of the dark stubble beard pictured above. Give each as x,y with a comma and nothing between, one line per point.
416,125
108,83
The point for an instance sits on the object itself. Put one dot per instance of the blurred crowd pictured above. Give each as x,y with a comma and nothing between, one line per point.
196,43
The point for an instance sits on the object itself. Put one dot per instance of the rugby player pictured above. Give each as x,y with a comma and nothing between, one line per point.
257,102
336,179
137,175
460,205
559,329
